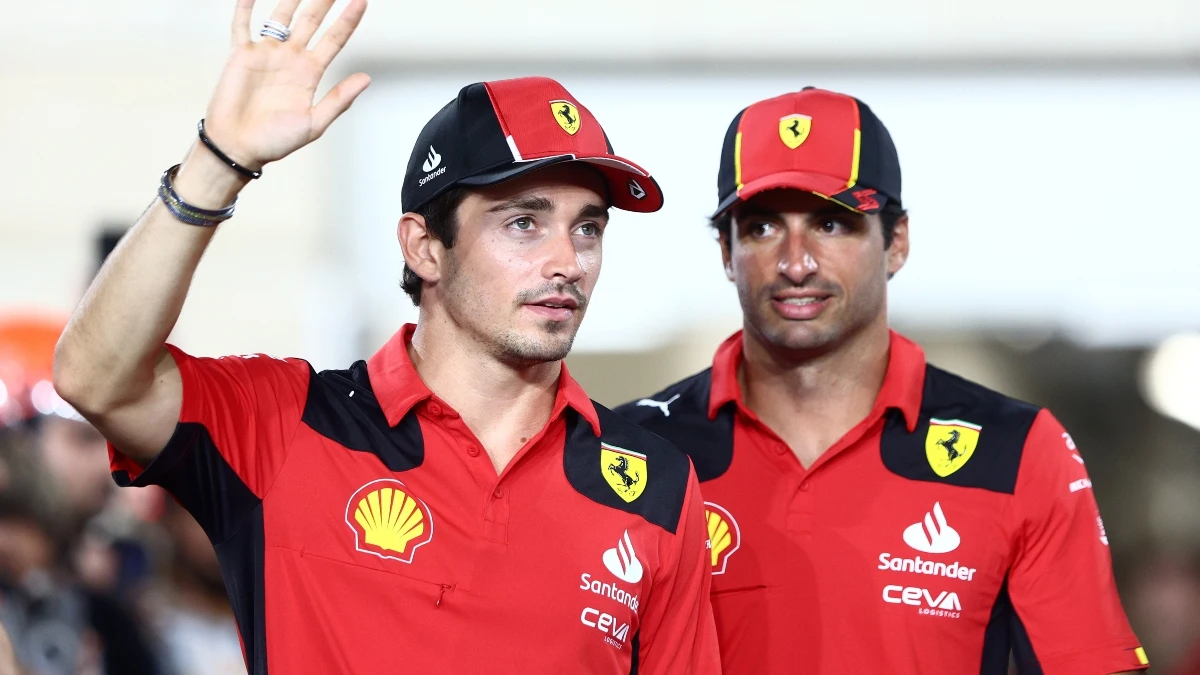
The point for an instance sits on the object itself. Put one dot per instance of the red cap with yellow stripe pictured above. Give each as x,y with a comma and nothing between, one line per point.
814,140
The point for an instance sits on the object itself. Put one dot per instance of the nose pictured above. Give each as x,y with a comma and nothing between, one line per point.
562,259
796,261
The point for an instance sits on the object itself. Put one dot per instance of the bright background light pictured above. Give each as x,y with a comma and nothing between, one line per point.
1171,378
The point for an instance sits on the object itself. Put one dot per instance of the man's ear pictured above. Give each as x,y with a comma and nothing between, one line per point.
723,238
423,253
897,255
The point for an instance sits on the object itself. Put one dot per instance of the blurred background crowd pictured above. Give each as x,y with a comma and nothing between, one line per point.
1048,150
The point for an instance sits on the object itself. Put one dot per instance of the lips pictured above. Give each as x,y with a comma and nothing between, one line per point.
554,307
556,302
800,304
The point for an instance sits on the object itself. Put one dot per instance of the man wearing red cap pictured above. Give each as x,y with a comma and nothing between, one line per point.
456,503
870,513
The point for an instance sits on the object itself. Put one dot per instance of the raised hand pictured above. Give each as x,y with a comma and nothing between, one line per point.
263,110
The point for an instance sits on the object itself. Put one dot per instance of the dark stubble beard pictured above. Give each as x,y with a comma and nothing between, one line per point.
781,333
556,337
551,342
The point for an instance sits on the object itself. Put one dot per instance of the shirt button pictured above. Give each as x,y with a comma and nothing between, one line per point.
498,493
435,409
782,448
804,486
473,450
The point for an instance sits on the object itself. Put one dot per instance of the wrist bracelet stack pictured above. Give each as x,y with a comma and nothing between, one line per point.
192,215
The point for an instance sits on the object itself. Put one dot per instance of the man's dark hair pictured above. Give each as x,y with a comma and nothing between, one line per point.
889,214
441,217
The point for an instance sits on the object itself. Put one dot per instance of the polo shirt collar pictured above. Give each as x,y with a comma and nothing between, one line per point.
398,387
903,384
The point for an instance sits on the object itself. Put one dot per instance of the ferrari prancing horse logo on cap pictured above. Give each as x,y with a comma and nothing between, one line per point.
793,130
567,116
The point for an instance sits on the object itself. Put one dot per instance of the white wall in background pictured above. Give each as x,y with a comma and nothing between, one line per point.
99,97
1038,203
559,31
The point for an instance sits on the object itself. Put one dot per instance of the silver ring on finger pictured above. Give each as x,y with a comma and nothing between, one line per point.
274,29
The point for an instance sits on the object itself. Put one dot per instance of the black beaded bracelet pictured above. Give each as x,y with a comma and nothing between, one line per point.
248,173
192,215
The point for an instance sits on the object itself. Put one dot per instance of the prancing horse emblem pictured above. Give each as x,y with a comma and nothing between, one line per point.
624,471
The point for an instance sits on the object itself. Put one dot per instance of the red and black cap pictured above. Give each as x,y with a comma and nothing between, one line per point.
496,131
814,140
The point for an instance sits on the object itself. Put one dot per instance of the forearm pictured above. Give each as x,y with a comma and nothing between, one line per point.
111,363
108,352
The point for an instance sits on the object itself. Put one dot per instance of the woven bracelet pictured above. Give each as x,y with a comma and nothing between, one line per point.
192,215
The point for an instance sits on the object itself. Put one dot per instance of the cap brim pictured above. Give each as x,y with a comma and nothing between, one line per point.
858,199
630,187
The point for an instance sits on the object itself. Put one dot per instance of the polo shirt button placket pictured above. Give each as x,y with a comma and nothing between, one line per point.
800,515
495,518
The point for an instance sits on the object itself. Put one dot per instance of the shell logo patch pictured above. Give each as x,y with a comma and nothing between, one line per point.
724,536
949,444
623,470
793,130
567,116
388,520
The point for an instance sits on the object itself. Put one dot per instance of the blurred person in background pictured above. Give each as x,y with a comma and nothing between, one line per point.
70,449
189,608
61,621
868,512
8,659
1164,603
47,615
321,490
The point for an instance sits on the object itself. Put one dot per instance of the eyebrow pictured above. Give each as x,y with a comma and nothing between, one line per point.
524,204
829,210
594,211
543,204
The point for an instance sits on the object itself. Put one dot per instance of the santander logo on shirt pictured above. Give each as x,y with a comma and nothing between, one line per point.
934,535
623,562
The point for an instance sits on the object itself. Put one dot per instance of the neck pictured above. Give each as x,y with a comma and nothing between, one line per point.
811,398
501,403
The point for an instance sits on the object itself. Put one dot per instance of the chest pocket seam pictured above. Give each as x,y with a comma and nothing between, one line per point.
309,554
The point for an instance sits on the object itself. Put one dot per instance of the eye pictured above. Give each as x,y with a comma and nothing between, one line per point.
834,225
589,230
524,224
761,229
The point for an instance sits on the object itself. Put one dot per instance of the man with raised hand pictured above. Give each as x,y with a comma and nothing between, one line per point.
456,503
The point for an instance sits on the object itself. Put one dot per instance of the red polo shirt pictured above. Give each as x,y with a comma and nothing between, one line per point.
951,526
362,529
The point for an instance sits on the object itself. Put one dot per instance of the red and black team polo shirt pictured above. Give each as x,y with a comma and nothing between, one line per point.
361,528
950,527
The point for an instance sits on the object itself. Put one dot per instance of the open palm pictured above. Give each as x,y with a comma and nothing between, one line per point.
263,108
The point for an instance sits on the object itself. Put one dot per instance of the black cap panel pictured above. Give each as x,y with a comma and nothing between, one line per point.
879,163
463,137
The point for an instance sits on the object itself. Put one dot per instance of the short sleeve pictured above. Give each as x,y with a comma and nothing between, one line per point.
1061,583
237,420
